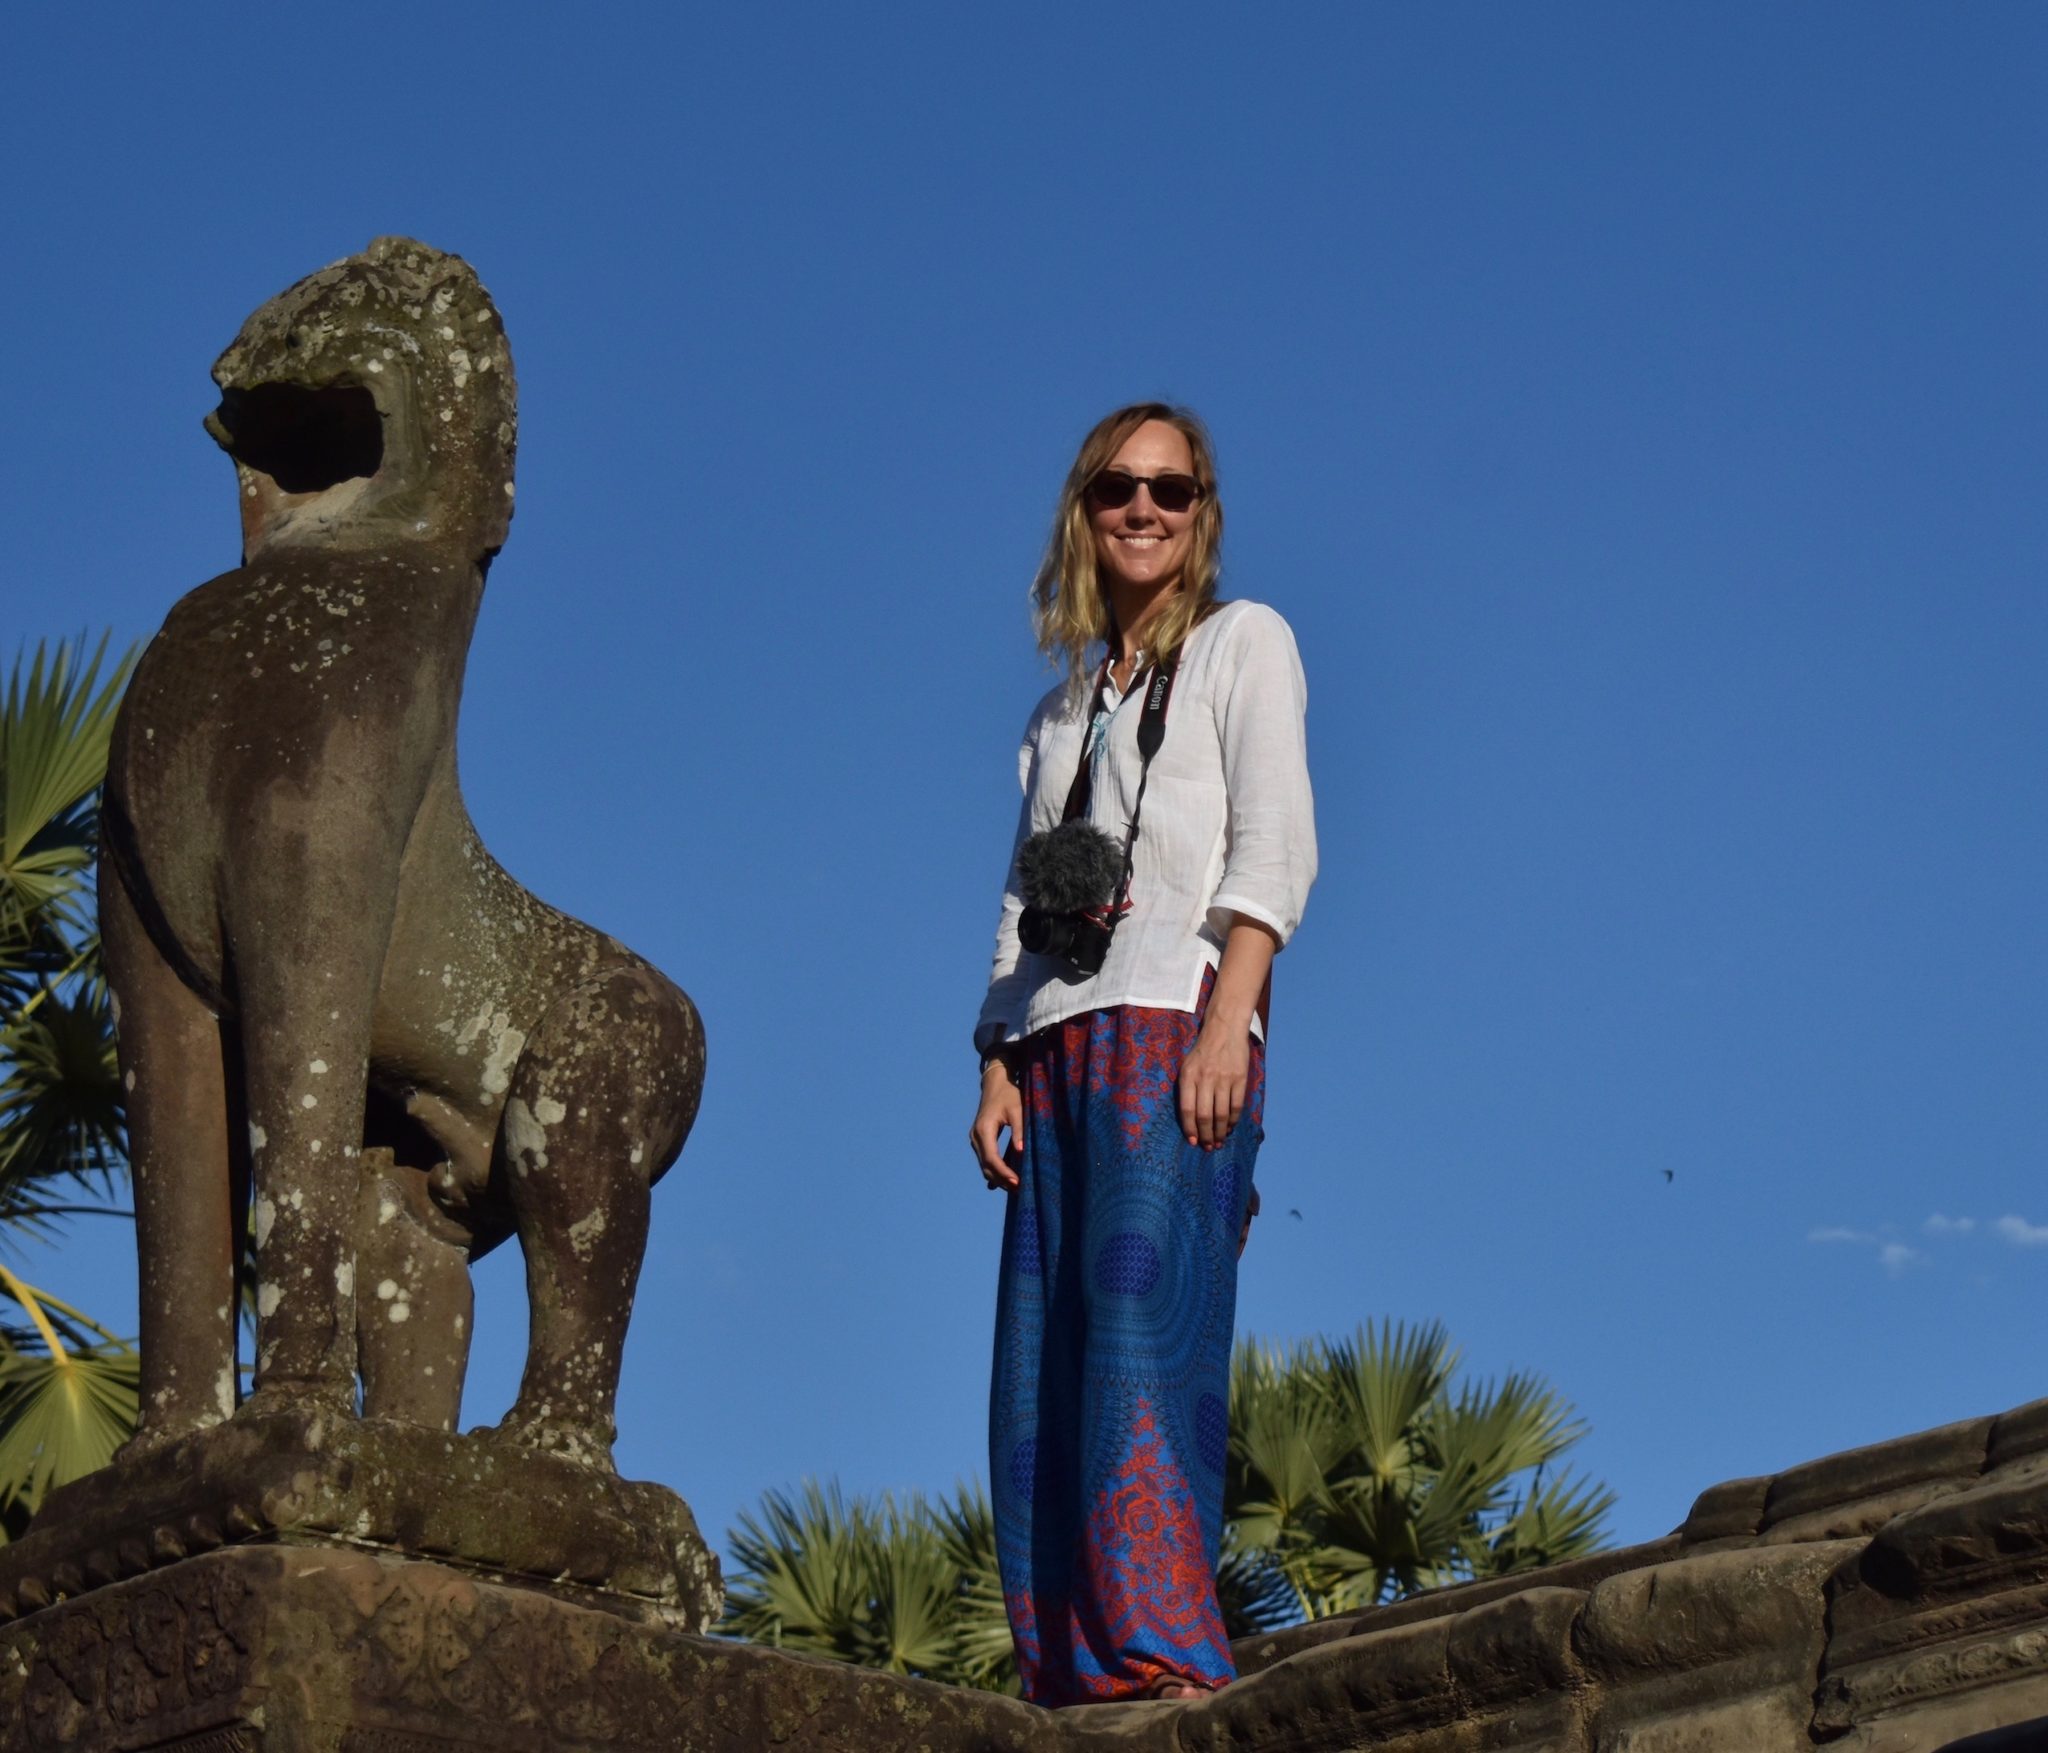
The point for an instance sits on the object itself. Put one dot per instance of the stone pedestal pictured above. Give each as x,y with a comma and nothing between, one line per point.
299,1585
311,1649
477,1504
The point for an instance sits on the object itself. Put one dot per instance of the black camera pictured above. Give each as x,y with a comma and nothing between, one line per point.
1069,877
1072,936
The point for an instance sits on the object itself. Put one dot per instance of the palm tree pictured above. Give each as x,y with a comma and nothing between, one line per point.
67,1385
1359,1471
903,1584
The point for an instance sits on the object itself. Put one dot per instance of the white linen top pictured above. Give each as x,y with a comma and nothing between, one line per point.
1227,825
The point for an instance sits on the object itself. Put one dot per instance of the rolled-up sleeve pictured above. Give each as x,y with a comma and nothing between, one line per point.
1009,992
1262,720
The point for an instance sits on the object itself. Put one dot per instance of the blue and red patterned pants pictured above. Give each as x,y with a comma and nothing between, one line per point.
1109,1415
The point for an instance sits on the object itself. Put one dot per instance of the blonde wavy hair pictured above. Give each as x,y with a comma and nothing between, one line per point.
1070,610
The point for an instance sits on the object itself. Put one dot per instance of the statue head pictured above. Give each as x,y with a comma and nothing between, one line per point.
373,402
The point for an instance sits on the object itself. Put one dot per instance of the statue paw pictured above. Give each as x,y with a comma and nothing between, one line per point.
316,1399
160,1433
586,1445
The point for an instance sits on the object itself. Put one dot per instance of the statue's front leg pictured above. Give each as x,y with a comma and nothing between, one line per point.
597,1109
178,1148
306,977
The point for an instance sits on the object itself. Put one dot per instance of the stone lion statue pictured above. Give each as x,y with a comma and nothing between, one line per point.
337,1013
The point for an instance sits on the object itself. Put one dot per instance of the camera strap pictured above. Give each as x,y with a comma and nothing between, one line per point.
1158,685
1077,793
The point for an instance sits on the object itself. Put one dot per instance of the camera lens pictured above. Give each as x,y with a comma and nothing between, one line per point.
1039,932
1074,938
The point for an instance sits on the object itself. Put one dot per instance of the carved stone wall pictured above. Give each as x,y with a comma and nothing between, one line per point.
1889,1600
1892,1599
151,1664
319,1650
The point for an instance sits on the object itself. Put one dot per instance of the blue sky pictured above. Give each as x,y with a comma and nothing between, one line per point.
1637,412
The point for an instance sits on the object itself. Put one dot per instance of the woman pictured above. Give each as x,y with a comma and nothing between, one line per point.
1121,1101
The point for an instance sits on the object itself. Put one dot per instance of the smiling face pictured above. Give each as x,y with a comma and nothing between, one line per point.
1141,551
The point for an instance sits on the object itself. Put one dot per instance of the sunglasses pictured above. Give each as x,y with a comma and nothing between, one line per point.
1113,488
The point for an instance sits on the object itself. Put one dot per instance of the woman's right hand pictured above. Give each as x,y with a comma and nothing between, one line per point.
1002,1110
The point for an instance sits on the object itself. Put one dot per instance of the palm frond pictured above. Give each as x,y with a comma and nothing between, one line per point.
986,1656
1408,1481
915,1585
64,1409
1254,1592
903,1584
55,725
1559,1519
61,1112
802,1573
1285,1436
61,1418
1383,1379
54,1324
1519,1425
68,1388
42,950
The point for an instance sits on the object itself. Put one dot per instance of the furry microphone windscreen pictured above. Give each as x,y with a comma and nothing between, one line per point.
1069,869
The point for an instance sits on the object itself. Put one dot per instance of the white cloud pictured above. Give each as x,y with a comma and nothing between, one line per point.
1894,1257
1937,1225
2022,1233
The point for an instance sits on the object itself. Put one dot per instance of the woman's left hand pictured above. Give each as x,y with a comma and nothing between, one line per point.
1213,1081
1218,1070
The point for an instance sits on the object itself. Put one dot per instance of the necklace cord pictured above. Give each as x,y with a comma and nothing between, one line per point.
1158,680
